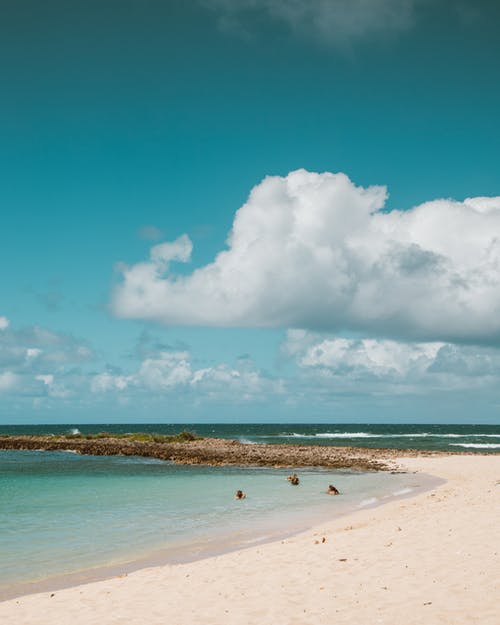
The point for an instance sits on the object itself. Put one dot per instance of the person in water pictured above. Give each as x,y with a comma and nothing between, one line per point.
294,480
240,495
331,490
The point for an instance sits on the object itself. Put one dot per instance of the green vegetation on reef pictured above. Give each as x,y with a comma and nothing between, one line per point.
141,437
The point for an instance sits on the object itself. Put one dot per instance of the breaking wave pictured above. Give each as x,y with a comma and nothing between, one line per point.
370,435
477,445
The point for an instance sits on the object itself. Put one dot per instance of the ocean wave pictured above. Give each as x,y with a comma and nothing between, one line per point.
346,435
367,502
372,435
477,445
331,435
74,431
403,491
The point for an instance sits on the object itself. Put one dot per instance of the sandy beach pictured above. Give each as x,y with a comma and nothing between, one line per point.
429,559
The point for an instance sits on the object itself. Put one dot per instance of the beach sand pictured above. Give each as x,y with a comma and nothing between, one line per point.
429,560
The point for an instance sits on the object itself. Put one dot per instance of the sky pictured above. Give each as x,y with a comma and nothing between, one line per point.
249,210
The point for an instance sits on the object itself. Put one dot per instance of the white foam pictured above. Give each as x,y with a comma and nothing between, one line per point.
346,435
370,435
332,435
367,502
74,431
477,445
403,491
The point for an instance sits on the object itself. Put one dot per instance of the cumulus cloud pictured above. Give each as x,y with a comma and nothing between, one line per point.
170,372
106,382
54,388
166,370
337,22
363,366
36,348
4,323
315,251
380,358
36,363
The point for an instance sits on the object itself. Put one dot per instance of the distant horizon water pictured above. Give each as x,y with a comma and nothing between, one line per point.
479,438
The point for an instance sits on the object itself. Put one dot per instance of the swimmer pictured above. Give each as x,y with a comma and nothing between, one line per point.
240,495
294,480
332,490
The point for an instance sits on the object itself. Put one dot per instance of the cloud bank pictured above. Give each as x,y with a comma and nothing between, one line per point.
370,365
47,371
315,251
168,372
39,364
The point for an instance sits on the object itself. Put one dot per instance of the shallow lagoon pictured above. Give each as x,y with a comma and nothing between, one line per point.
62,513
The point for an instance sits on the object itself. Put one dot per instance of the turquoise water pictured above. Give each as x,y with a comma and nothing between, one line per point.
63,513
470,438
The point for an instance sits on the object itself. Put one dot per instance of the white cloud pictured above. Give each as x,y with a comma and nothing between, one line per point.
33,352
105,382
180,250
315,251
368,366
168,369
380,358
38,364
4,323
8,381
37,348
337,22
47,378
53,388
173,372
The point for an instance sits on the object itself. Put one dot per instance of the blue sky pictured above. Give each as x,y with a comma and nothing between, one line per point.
125,126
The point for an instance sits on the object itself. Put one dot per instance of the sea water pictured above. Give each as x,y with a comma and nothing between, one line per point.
443,437
62,513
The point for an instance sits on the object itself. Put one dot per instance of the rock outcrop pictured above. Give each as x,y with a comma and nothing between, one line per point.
219,452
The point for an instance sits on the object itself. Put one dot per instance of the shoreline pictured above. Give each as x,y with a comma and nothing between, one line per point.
432,557
195,551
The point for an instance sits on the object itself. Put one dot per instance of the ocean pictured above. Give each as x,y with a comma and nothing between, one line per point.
63,514
471,438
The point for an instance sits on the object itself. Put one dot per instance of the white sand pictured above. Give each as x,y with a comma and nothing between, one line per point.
428,560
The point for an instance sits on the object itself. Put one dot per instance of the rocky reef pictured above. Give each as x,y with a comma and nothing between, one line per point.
218,452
